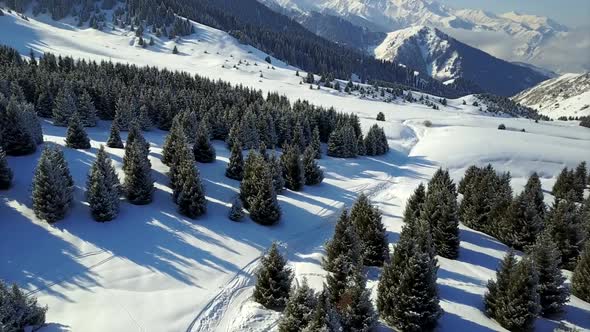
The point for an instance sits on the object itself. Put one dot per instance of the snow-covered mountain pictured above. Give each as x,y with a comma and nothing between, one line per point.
512,36
567,95
443,57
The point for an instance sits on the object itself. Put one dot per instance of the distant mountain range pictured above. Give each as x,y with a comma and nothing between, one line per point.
567,95
511,36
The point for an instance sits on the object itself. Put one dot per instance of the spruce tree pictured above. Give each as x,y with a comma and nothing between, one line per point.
299,310
103,188
273,280
523,222
315,143
344,243
5,171
19,311
414,205
264,207
203,149
173,142
18,140
76,137
355,306
313,173
407,291
564,184
581,277
114,140
44,104
64,107
86,110
138,184
498,289
440,211
188,190
553,293
251,179
276,170
52,186
236,212
366,219
565,228
293,170
235,167
324,317
580,180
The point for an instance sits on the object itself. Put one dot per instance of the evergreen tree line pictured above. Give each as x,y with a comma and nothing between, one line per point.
344,304
19,310
488,205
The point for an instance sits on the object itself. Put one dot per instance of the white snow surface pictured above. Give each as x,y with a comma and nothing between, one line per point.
154,270
566,95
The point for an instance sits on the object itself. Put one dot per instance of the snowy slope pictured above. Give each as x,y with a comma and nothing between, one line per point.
511,36
153,270
567,95
443,57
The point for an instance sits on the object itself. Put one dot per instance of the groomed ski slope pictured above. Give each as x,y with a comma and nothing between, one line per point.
154,270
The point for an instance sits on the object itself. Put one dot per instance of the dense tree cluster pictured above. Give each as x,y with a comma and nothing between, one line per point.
499,105
18,310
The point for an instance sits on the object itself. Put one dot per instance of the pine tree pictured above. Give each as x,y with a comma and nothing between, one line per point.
344,243
497,289
553,293
188,190
355,306
407,291
440,211
564,184
18,140
44,104
366,219
18,311
52,186
517,308
581,277
175,50
564,226
5,172
64,107
138,184
174,142
380,116
313,173
299,310
115,141
103,188
273,280
414,205
580,180
203,149
236,212
276,170
523,222
251,179
235,167
315,143
86,110
324,317
76,137
292,168
343,143
264,207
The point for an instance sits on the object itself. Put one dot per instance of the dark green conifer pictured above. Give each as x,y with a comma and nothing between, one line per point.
414,204
203,149
114,140
76,137
581,277
313,173
273,280
5,171
292,168
366,219
103,188
235,167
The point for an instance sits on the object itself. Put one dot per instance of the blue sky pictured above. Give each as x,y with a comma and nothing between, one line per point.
571,13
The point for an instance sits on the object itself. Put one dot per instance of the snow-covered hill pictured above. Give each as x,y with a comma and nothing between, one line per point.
153,270
511,36
443,57
567,95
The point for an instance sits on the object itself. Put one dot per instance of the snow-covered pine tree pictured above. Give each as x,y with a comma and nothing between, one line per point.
188,191
366,219
553,293
5,171
124,111
273,280
414,205
315,143
19,311
355,306
174,142
440,211
407,291
236,212
299,310
251,179
64,107
345,242
497,289
235,167
324,317
376,141
343,142
114,140
564,184
86,109
522,223
76,137
581,277
565,228
276,170
103,188
380,116
138,183
52,186
360,145
313,173
44,103
248,131
18,140
203,150
472,174
518,307
263,206
144,120
580,180
292,168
